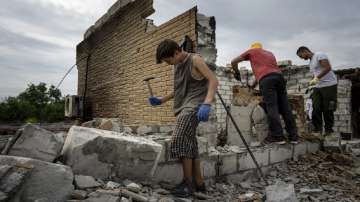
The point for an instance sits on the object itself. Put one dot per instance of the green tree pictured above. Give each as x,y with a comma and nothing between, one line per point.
36,103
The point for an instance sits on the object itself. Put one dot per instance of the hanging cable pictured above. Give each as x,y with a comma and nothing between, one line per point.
68,72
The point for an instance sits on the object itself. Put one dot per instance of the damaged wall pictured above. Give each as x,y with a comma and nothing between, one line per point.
122,47
298,78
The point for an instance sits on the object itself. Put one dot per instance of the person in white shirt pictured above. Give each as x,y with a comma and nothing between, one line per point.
325,90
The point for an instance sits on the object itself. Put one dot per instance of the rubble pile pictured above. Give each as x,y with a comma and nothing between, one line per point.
92,165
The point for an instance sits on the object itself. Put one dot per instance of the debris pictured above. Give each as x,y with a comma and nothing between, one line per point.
110,154
131,186
79,195
112,185
310,191
250,197
123,199
280,192
102,198
12,179
84,182
135,196
37,143
47,181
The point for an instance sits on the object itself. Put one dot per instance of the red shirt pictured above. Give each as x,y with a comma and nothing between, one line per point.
263,62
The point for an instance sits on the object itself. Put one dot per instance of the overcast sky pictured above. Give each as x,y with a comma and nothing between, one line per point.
38,37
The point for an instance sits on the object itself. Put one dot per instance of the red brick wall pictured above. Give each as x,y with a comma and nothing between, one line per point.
122,55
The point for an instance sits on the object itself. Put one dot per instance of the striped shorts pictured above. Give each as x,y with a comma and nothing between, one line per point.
183,142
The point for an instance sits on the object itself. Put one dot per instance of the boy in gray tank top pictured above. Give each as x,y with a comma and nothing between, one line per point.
195,86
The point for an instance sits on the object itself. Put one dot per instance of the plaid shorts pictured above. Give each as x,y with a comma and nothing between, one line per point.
183,142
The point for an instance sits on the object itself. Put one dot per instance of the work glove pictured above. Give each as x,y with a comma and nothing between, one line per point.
314,81
154,101
203,113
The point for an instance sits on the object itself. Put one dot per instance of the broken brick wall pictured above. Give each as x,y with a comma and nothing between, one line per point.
122,46
226,83
298,78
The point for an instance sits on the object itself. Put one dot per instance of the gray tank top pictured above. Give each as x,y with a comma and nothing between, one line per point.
189,92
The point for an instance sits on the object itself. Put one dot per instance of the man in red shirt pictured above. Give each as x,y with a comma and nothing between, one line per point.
273,90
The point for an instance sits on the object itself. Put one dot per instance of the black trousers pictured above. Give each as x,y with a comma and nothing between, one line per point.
324,104
273,90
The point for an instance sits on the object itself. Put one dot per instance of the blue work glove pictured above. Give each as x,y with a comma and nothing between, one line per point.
203,113
154,101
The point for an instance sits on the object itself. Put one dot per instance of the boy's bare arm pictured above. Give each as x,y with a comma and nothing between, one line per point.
200,65
167,97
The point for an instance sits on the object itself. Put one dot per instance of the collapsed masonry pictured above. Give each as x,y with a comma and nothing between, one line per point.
116,63
118,52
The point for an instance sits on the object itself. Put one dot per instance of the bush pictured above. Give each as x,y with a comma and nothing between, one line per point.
36,103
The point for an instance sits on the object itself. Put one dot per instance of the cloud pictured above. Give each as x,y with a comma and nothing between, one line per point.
38,41
39,37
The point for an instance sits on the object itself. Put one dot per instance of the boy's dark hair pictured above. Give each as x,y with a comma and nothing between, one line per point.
302,49
166,49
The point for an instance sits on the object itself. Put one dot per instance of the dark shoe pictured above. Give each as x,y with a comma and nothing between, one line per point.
276,140
184,189
201,188
293,140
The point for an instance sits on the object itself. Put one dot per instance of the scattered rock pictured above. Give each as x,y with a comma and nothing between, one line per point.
79,195
145,130
123,199
310,191
112,185
166,199
46,181
37,143
131,186
102,198
281,192
105,154
84,182
250,196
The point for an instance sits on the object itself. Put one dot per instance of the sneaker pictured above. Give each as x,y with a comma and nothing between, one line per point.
276,140
200,188
183,190
293,140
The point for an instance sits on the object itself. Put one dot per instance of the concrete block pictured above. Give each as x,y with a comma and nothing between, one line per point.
261,155
258,115
279,153
170,172
202,145
241,115
299,150
103,154
229,163
166,129
208,166
143,130
37,143
163,154
312,147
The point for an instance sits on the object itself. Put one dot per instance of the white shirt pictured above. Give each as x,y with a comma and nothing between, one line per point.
328,79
